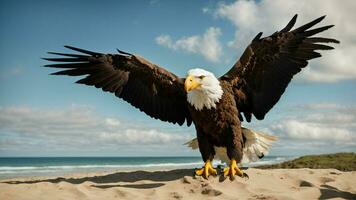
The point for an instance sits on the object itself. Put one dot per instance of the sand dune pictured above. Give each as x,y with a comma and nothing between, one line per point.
180,184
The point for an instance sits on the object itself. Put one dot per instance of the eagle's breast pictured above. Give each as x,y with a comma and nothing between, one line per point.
215,121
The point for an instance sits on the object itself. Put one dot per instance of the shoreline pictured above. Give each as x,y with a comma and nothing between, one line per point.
58,166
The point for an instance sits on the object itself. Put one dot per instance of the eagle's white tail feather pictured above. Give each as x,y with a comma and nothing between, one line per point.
256,146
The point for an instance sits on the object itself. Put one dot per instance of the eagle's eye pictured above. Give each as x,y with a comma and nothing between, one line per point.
201,77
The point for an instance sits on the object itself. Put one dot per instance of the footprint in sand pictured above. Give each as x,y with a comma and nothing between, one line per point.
262,197
326,180
208,190
176,195
186,180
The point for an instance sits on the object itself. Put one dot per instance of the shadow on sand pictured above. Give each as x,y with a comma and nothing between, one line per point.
329,192
112,180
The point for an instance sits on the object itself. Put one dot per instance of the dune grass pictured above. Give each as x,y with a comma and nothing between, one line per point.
340,161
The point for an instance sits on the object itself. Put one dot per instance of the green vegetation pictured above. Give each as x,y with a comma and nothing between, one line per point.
340,161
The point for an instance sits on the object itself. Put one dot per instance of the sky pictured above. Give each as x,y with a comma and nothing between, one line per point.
43,115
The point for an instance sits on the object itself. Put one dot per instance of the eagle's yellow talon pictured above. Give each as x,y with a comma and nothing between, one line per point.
226,171
206,171
199,172
233,170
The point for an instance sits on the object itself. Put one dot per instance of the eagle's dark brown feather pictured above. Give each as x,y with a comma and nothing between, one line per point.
152,89
268,64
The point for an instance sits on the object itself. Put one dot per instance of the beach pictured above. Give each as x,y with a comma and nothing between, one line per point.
327,176
181,184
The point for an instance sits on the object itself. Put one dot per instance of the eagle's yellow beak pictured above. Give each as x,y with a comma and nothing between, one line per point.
191,83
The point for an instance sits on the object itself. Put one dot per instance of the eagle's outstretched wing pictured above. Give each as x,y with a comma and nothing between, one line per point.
148,87
268,64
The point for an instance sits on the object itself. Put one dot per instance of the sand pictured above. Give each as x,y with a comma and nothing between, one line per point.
180,184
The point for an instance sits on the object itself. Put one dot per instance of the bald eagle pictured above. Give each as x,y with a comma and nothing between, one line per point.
216,106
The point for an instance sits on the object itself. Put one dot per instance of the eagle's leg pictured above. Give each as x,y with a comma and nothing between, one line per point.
207,152
206,170
233,170
234,148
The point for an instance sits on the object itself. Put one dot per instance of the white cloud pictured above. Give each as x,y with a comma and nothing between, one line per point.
205,10
78,128
329,123
112,122
207,45
324,106
251,17
312,131
134,136
165,40
154,2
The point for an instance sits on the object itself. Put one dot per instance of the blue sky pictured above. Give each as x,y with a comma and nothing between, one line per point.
42,115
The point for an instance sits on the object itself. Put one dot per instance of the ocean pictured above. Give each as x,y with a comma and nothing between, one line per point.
59,166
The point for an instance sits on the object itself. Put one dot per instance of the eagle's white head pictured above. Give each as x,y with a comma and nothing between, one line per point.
203,89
